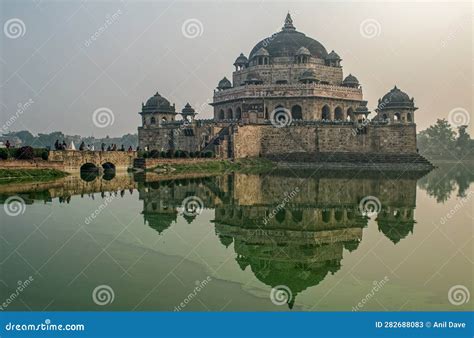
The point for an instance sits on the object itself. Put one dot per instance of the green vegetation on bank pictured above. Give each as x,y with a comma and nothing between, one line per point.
248,165
442,141
26,175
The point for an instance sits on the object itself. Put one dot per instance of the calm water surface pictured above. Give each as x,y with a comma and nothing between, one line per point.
304,233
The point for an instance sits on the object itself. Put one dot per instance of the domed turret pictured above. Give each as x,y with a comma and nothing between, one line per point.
241,62
308,76
156,110
351,81
253,78
158,104
224,84
333,59
188,113
396,106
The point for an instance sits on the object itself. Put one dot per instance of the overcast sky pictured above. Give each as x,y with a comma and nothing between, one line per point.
47,55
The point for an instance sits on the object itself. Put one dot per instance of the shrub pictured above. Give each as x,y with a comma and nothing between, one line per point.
4,153
169,154
154,154
162,154
25,153
44,155
208,154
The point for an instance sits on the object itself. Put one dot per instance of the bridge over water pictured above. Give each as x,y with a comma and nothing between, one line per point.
76,160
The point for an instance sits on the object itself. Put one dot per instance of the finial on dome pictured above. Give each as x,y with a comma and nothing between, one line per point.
288,23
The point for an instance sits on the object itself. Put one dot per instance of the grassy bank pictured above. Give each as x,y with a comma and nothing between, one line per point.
25,175
217,166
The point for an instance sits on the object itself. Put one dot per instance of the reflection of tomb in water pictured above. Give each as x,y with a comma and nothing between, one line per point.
296,245
298,254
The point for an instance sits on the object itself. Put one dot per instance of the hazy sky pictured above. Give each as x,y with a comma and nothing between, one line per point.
140,48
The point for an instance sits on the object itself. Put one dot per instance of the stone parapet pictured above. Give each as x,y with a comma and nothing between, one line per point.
292,90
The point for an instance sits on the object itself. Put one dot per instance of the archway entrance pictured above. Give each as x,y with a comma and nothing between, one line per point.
296,112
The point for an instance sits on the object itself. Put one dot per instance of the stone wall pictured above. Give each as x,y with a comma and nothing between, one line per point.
31,164
191,138
251,141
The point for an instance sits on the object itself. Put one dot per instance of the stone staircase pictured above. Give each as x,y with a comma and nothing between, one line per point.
357,160
220,143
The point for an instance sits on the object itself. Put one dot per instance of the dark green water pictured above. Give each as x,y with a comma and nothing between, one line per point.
238,237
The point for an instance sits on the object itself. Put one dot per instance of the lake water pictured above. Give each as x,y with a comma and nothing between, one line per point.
247,242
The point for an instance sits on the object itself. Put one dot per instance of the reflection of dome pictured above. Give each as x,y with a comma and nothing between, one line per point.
159,222
395,230
288,42
224,84
158,103
396,99
226,240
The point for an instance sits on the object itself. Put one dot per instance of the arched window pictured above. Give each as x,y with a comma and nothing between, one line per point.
338,115
326,216
163,119
396,117
152,120
297,216
296,112
238,113
409,119
230,114
280,215
325,115
385,117
221,115
350,111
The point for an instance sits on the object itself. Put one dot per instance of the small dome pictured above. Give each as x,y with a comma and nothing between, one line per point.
350,81
224,84
188,110
333,56
261,52
396,99
241,60
303,51
253,78
158,103
308,75
361,110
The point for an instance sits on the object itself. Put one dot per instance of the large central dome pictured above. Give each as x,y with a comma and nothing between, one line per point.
288,41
